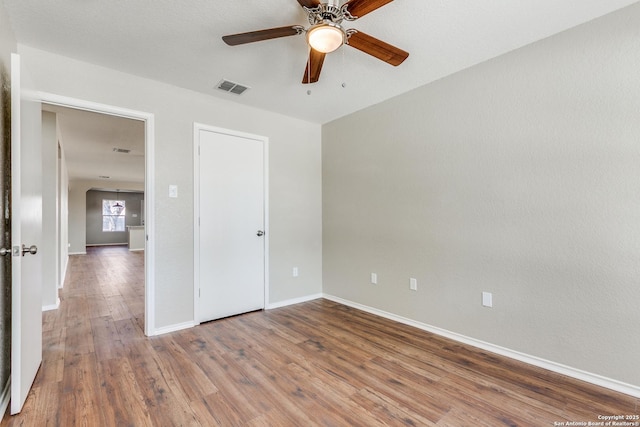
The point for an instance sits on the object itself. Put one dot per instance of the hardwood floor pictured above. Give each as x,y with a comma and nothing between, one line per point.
316,363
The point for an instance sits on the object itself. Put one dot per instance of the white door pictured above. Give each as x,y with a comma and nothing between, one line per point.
231,241
26,228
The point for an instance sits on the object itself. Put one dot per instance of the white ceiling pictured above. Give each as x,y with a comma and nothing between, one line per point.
89,140
179,42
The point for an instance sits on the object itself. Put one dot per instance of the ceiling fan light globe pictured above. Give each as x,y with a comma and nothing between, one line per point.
325,37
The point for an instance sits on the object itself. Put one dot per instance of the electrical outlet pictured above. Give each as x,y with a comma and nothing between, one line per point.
295,272
374,279
413,284
487,299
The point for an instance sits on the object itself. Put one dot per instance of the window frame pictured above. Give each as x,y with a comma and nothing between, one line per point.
108,205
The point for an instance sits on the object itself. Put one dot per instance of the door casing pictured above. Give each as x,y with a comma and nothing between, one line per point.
150,328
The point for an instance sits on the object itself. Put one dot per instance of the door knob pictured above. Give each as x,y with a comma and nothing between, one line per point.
33,249
260,233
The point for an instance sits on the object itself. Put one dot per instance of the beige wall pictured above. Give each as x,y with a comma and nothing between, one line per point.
93,223
78,210
519,176
295,176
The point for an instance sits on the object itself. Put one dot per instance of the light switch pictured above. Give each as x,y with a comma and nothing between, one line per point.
173,191
487,299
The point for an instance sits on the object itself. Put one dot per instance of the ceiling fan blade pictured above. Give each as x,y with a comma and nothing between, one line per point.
256,36
359,8
374,47
309,3
314,66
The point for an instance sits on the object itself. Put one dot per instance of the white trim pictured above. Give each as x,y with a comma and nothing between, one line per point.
77,253
52,306
293,301
173,328
196,222
5,397
149,190
197,127
267,238
136,250
93,245
63,276
559,368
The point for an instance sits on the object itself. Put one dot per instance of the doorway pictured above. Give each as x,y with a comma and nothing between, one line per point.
230,236
146,120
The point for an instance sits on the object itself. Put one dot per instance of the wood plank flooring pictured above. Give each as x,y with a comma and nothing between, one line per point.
312,364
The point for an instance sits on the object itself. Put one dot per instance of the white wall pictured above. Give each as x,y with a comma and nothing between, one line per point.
63,213
295,176
50,222
7,40
519,176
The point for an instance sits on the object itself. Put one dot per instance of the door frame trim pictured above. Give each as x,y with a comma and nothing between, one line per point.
197,127
149,128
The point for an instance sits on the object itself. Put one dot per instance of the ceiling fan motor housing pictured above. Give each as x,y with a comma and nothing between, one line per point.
331,11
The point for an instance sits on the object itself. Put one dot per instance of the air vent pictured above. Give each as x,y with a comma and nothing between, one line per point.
121,150
104,177
232,87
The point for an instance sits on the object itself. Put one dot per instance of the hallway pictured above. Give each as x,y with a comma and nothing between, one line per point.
101,307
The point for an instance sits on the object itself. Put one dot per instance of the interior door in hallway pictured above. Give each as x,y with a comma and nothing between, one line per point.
230,248
26,234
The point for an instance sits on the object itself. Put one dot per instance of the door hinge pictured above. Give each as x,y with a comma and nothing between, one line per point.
199,290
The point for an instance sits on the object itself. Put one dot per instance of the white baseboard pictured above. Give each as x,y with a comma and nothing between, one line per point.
173,328
136,250
52,306
595,379
5,397
292,301
77,253
64,273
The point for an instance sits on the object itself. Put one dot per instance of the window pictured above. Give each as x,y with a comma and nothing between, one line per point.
113,215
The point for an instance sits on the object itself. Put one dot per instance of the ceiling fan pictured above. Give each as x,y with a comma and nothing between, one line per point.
326,33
